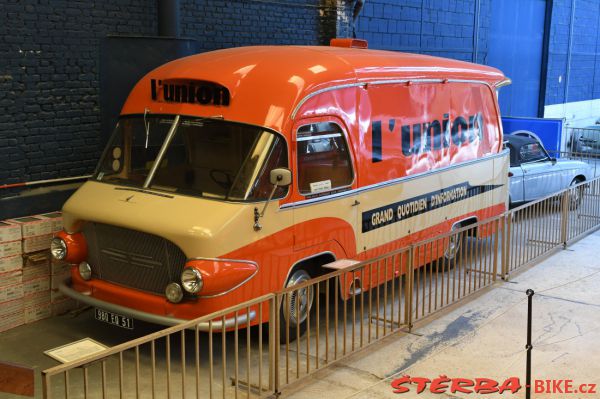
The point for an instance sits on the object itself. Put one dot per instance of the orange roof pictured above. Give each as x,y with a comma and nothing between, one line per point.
266,82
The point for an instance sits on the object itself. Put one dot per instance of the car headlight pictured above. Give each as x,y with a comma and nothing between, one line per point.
174,293
58,248
191,280
85,271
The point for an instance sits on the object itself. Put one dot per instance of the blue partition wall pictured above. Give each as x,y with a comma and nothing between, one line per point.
547,130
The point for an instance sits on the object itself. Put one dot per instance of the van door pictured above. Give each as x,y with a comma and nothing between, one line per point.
325,209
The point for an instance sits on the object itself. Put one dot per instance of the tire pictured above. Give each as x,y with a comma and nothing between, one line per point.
575,196
297,319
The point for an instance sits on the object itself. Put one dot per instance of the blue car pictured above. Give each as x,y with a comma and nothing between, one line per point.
534,174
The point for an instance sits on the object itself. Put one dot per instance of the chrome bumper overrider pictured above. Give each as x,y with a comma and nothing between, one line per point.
150,317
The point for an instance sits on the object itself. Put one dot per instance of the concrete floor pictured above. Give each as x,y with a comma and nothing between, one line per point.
483,337
486,336
25,345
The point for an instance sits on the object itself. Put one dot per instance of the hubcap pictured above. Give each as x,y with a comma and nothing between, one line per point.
299,301
575,195
453,244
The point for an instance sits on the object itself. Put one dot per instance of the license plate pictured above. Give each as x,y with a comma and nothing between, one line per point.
114,319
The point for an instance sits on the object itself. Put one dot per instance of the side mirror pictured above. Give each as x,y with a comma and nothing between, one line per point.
553,160
281,177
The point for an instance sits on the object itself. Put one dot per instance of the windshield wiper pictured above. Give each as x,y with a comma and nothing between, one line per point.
141,190
162,151
147,127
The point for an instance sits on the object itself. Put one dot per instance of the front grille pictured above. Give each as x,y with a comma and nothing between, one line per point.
131,258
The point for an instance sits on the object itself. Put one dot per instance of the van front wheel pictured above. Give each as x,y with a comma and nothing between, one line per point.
295,307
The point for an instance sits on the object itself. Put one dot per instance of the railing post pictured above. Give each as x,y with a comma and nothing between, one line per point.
564,222
528,347
46,388
408,289
496,252
508,216
274,326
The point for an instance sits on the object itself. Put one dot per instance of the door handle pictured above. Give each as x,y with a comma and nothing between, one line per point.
355,203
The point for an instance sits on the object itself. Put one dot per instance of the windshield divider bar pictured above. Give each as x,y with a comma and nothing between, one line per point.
162,151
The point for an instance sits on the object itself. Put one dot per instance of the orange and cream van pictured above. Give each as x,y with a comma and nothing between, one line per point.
235,173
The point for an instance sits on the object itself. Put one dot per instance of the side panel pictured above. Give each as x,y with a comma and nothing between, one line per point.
517,193
428,205
411,129
426,159
426,156
540,179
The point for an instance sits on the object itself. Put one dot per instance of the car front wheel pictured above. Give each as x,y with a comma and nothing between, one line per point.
295,307
575,195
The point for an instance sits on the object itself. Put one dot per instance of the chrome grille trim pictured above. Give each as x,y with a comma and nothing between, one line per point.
132,258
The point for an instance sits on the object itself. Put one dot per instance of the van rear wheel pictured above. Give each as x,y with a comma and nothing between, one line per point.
295,307
454,244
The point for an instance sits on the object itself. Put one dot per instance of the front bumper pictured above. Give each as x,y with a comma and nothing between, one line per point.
219,324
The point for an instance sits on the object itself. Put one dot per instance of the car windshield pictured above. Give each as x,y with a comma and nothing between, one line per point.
203,157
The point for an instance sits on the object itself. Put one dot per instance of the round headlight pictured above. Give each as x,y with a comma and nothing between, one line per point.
85,271
191,280
174,293
58,248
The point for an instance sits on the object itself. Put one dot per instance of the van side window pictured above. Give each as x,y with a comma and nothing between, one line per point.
323,159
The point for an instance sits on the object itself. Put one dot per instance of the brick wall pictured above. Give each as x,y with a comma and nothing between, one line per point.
49,65
442,28
232,23
446,28
583,38
49,115
49,57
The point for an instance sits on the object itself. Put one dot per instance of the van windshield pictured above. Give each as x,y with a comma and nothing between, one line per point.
202,157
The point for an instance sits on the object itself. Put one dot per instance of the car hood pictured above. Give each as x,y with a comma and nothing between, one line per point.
572,164
200,227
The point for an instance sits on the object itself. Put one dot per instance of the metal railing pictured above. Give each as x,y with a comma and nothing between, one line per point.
581,210
532,231
354,308
179,362
581,139
309,326
453,266
592,160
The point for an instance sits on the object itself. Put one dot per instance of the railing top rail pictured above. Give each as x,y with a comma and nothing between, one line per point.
460,230
387,255
582,128
556,194
579,154
360,265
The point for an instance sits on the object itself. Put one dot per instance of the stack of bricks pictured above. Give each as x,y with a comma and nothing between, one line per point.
11,272
59,272
29,277
37,234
